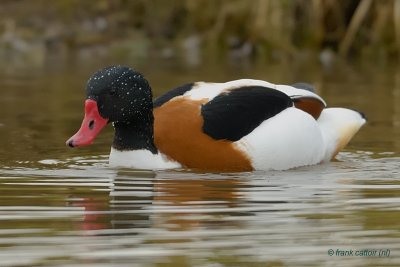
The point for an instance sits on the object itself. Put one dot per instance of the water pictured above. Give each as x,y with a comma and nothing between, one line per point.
63,207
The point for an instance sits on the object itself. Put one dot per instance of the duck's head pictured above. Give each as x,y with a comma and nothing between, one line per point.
115,94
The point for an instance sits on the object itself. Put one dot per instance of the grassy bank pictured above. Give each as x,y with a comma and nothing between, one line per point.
240,30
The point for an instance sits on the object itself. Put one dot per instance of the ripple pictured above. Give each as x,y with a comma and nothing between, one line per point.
80,212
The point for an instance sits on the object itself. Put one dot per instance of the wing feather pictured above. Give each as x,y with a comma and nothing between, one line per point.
236,113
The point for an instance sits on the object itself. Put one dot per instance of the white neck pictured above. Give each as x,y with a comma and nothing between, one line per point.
141,159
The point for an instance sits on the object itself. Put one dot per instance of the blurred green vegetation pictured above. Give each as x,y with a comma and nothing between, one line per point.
199,30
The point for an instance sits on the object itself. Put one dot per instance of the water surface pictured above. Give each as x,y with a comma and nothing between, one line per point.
63,207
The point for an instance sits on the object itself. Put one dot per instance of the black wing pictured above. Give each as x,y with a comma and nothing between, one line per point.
159,101
236,113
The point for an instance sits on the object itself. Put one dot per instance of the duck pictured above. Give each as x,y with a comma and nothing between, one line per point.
236,126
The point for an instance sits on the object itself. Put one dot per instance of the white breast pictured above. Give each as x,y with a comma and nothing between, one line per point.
141,159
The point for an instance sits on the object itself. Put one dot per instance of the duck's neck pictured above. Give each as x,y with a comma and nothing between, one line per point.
133,147
134,136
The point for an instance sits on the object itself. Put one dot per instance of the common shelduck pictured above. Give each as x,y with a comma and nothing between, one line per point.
241,125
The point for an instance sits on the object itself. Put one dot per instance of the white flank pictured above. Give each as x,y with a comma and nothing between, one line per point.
290,139
293,138
141,159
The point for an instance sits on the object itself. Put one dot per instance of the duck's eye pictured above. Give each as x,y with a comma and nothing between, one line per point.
112,92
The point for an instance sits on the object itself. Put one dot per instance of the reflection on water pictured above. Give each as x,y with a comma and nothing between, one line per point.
61,207
85,213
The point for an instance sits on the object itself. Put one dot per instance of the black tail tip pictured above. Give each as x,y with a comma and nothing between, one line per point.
70,143
362,114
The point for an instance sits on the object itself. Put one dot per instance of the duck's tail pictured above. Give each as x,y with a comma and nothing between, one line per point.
338,126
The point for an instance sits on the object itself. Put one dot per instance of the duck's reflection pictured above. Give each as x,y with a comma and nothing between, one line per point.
93,216
194,201
173,201
167,200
